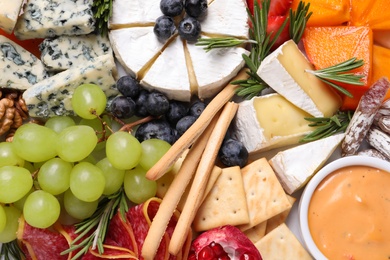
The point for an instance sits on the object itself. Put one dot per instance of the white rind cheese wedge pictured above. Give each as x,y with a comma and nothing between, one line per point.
295,166
9,12
135,48
209,76
19,68
226,17
268,122
52,96
169,73
284,70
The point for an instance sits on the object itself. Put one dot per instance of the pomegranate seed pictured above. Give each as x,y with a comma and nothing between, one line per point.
247,257
206,253
225,257
218,249
192,256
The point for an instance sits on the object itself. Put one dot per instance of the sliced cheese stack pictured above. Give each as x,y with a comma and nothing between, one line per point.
178,68
9,12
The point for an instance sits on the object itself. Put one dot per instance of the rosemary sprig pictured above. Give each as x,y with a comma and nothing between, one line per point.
11,251
97,224
341,73
298,21
222,42
327,126
102,10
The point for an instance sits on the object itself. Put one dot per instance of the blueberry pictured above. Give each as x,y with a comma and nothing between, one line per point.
197,108
164,28
176,111
233,153
128,86
157,128
171,7
141,104
189,29
184,123
195,8
157,104
122,107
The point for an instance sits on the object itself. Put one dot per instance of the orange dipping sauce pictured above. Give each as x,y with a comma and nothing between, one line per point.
349,214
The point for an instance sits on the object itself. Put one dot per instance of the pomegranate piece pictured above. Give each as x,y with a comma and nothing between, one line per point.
226,242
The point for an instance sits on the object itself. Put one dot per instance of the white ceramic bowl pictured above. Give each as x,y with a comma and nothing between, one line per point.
315,181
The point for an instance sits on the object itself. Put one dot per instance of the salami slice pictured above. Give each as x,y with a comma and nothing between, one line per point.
363,117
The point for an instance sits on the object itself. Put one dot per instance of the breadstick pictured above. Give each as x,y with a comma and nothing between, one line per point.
196,194
174,194
189,137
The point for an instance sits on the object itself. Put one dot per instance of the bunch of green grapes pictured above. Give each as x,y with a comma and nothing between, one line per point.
65,166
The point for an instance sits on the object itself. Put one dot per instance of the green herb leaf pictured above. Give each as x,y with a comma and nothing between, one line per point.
102,10
11,251
298,21
224,42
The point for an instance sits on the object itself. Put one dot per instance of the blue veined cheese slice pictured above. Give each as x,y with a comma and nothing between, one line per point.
63,52
169,73
52,96
49,18
268,122
9,12
135,48
295,166
19,68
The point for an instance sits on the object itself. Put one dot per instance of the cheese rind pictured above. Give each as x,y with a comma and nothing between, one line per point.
19,68
295,166
61,53
49,18
285,71
9,12
52,96
268,122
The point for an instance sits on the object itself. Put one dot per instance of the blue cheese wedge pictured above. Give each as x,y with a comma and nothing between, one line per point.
285,71
9,12
52,96
63,52
49,18
295,166
19,68
269,121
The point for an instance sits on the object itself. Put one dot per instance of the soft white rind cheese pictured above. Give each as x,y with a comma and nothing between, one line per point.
9,12
135,48
19,68
61,53
295,166
49,18
52,96
226,17
169,73
210,78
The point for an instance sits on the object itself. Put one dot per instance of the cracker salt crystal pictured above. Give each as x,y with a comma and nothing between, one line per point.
225,203
264,194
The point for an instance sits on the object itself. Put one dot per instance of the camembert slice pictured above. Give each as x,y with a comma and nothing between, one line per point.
270,121
295,166
285,71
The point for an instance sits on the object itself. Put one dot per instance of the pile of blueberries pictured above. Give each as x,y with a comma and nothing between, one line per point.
188,27
171,118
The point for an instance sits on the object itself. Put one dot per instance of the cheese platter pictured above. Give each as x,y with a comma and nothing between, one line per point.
111,75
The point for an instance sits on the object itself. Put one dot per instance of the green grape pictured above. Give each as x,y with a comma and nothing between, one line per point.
8,155
35,143
97,125
123,150
19,204
137,187
152,151
15,182
113,176
54,176
77,208
89,159
9,232
29,166
41,209
76,142
3,218
87,181
59,123
89,100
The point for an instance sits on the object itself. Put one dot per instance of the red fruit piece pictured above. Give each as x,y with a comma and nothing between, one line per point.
274,23
279,7
235,244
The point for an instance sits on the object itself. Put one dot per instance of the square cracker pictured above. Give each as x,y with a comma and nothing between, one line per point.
225,204
265,196
257,232
281,244
275,221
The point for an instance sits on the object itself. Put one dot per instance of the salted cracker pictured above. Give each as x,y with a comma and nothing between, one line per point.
257,232
275,221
